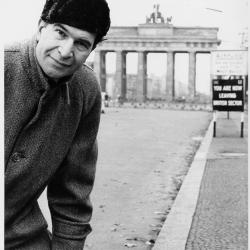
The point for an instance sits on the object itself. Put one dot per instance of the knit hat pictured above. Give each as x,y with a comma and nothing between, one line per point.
90,15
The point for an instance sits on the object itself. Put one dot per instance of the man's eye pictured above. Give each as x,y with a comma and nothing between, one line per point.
81,45
60,33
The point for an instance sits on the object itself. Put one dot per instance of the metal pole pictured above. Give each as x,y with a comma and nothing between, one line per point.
214,120
242,125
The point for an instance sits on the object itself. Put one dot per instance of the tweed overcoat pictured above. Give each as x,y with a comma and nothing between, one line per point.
50,141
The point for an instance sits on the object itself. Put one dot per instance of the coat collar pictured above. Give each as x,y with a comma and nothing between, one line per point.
35,72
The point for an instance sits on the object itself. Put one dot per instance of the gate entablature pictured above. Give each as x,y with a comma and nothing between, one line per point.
160,37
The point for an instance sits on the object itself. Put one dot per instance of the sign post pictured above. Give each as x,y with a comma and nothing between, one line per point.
214,120
228,93
242,125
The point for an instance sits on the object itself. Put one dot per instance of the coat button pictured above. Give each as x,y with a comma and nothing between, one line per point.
17,156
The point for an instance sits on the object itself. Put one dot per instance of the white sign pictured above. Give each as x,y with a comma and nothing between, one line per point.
229,62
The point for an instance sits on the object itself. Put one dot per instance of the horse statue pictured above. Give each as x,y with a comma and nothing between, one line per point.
156,16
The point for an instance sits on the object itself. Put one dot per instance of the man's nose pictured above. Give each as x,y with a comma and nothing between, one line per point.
66,48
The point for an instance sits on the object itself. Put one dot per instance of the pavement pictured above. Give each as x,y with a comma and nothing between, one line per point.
210,211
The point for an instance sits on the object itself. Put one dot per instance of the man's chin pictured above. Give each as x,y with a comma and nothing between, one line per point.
57,75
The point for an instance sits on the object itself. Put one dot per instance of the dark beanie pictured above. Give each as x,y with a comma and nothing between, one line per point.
90,15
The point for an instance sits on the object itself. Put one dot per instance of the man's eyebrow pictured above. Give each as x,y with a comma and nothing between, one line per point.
61,26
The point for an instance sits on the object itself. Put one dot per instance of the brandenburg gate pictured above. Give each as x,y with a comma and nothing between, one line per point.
156,35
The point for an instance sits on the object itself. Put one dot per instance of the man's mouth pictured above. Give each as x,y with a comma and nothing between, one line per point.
63,64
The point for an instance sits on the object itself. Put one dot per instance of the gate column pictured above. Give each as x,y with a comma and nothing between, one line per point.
170,76
121,74
141,85
191,75
100,68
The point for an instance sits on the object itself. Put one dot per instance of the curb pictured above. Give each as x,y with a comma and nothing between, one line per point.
175,231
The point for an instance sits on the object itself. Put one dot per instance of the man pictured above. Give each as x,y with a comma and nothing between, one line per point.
52,113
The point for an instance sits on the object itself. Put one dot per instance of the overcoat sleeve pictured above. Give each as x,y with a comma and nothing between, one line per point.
69,190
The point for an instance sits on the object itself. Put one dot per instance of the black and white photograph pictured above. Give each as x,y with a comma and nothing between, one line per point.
125,125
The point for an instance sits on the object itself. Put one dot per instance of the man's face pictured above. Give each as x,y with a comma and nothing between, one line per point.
62,49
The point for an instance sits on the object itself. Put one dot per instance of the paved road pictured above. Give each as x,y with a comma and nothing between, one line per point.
143,157
221,217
